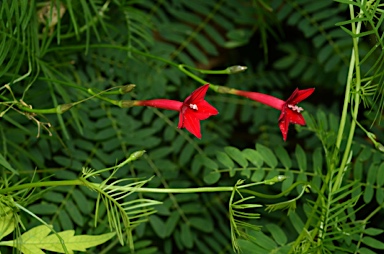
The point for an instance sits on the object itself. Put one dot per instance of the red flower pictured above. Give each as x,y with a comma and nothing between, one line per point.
195,109
290,112
192,110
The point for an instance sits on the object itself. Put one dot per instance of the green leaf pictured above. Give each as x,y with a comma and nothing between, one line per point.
258,175
54,197
186,235
277,233
65,221
285,62
379,195
365,154
158,226
373,231
197,54
160,152
283,156
267,155
74,213
7,222
368,194
171,222
301,158
81,201
264,241
208,162
366,251
43,209
296,222
288,182
372,242
225,160
297,69
211,176
6,165
37,238
236,155
196,165
202,224
380,175
254,157
214,35
248,246
186,154
358,170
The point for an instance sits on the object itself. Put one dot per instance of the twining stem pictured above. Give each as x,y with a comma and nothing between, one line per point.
346,101
98,94
354,63
83,182
355,55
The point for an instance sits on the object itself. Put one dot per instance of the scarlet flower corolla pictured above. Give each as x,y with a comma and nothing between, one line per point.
191,111
290,112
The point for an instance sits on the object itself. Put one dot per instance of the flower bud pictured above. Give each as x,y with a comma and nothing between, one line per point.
380,147
276,179
236,68
136,155
64,107
127,88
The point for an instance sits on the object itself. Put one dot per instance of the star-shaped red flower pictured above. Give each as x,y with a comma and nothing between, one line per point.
191,111
195,109
290,112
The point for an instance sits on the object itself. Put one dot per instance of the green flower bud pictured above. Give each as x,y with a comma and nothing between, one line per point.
276,179
64,107
236,68
127,88
136,155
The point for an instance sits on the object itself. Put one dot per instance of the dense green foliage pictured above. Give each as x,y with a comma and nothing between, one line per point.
72,154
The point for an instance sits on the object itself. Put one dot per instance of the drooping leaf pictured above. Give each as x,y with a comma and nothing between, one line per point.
38,239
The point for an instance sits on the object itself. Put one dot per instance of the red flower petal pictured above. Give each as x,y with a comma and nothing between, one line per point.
287,117
283,125
194,109
204,111
299,95
197,95
294,117
181,120
161,103
192,124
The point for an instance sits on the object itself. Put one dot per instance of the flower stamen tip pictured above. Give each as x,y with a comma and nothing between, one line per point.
193,106
295,108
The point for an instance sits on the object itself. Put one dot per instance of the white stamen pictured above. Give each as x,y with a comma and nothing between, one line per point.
193,106
295,108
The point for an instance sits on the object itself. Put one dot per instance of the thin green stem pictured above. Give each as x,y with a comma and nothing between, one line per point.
355,30
97,95
365,222
227,71
62,243
181,67
347,96
150,190
40,184
94,21
354,63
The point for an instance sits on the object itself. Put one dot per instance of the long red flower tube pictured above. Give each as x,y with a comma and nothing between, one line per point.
191,111
290,112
